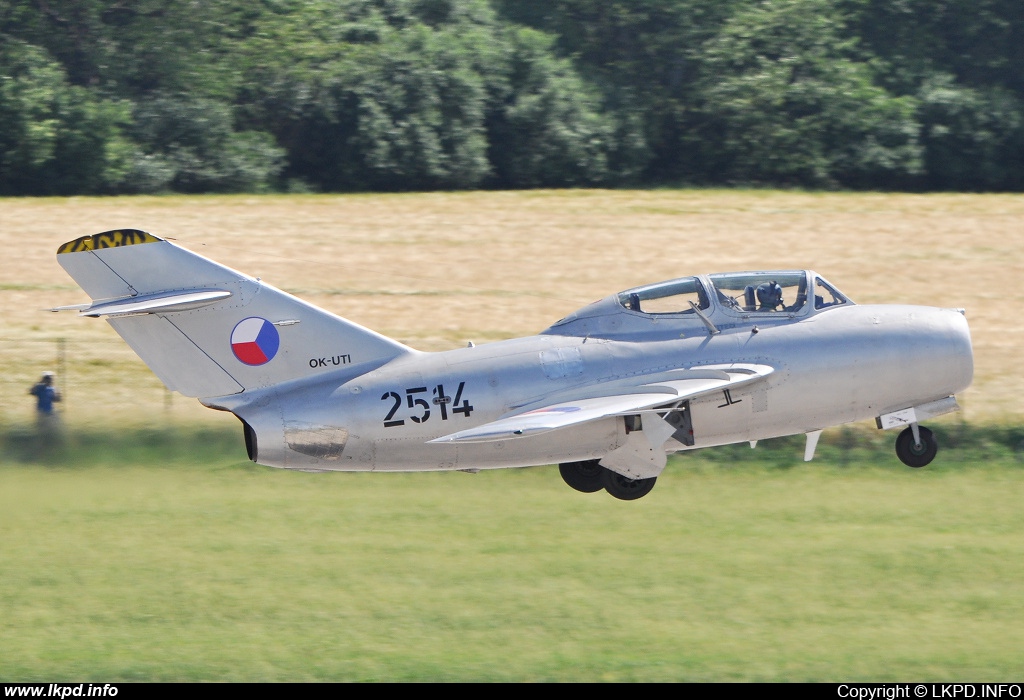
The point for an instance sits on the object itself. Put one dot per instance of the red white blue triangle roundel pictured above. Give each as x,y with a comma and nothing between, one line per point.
255,341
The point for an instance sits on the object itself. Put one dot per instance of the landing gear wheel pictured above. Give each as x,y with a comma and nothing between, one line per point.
582,476
624,488
914,455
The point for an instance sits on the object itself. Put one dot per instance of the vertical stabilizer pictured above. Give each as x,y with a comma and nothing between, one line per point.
206,330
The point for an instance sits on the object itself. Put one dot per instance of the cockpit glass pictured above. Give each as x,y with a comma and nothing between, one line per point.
825,295
761,291
673,297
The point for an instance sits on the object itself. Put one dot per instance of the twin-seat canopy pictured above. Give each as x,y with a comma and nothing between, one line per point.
720,302
780,291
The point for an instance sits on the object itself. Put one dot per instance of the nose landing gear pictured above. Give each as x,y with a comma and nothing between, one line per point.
916,446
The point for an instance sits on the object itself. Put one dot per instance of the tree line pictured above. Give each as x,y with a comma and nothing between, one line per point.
139,96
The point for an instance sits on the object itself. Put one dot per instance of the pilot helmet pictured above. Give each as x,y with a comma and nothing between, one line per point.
769,294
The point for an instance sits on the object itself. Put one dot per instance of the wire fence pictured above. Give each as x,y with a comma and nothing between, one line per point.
96,379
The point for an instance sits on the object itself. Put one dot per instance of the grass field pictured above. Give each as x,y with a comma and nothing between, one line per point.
191,564
157,558
160,553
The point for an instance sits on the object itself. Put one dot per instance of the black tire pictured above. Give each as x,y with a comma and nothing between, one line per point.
627,489
913,455
583,476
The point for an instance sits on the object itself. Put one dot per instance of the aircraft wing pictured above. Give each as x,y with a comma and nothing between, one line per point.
612,399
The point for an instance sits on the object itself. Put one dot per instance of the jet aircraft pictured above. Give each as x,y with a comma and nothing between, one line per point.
606,392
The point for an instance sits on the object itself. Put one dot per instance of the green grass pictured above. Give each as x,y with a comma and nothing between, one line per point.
164,555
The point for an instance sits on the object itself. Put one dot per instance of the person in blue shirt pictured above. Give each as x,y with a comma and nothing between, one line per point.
46,395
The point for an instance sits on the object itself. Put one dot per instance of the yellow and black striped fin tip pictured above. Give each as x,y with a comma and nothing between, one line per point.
108,239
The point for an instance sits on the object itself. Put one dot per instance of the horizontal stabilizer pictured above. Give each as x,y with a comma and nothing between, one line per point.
154,303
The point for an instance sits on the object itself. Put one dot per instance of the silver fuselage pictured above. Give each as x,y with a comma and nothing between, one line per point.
832,366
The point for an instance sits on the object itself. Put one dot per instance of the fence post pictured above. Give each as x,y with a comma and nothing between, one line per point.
62,373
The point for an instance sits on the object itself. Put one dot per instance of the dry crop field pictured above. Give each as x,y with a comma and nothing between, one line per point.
437,270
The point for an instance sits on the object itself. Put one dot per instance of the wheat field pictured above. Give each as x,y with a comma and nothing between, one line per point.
436,270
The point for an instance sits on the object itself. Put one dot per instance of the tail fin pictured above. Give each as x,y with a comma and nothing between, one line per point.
206,330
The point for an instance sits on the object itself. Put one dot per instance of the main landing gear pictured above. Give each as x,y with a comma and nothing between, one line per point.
916,446
590,476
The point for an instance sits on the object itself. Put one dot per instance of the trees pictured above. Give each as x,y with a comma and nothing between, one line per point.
340,95
427,95
961,61
186,143
784,100
55,138
371,95
547,129
973,138
133,96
